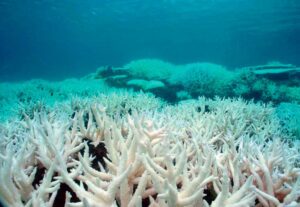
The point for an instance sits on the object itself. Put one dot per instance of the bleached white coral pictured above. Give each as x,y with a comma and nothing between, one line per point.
199,153
150,69
203,78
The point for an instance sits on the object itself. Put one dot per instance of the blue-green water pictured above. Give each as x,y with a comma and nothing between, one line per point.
54,39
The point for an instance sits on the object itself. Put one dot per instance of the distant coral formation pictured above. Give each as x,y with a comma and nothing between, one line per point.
150,69
273,82
133,150
204,79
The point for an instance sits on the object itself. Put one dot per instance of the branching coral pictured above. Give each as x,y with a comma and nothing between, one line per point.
201,153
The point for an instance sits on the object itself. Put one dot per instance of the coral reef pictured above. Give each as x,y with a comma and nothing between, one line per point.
16,98
249,85
273,82
81,142
198,79
150,69
289,116
222,152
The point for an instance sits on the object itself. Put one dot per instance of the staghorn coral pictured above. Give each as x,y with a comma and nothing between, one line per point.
16,98
198,153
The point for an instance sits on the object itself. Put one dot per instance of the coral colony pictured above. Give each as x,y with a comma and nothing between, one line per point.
131,149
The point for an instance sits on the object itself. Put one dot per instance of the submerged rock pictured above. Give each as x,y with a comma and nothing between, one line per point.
276,71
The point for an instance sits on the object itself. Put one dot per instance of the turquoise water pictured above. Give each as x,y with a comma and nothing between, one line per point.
53,39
